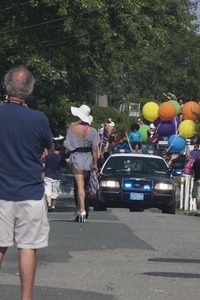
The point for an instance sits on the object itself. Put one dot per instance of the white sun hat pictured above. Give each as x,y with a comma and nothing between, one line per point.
83,113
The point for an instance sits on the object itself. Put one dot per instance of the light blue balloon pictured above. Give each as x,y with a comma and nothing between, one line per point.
176,143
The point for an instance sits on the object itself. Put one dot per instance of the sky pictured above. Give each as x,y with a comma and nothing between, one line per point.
197,9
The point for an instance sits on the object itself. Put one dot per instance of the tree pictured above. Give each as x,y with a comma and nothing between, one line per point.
78,48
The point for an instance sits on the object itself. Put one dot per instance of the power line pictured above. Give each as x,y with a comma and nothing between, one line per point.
14,6
31,26
53,42
47,22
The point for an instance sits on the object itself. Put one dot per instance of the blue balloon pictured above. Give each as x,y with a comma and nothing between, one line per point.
176,143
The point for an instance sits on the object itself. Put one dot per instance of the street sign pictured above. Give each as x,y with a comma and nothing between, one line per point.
134,110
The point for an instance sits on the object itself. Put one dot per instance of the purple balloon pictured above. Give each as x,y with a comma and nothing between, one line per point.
166,128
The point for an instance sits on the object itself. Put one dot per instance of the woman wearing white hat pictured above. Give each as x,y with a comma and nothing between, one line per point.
82,141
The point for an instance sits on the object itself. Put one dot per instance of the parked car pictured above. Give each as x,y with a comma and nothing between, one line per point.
137,182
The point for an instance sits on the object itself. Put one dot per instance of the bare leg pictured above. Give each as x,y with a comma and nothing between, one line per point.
198,204
80,192
48,198
53,202
198,197
27,268
2,253
80,181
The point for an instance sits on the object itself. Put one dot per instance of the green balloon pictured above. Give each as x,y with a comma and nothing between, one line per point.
143,130
177,106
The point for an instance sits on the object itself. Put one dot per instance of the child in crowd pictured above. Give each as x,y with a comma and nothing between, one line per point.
52,175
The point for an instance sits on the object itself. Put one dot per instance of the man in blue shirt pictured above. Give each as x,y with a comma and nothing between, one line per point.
25,134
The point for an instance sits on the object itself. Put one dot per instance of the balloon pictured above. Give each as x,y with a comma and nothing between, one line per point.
166,111
187,129
166,128
150,111
176,143
143,130
177,106
190,110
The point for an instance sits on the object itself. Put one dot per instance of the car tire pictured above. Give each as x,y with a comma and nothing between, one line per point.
99,206
169,209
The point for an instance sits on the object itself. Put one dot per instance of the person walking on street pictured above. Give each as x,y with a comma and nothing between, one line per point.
82,142
187,174
25,136
196,186
52,171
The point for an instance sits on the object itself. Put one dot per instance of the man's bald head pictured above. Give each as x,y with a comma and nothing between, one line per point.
19,82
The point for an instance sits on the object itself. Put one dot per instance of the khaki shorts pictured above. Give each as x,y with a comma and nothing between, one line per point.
24,223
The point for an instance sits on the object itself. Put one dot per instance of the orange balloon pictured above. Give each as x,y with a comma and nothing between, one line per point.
166,111
190,110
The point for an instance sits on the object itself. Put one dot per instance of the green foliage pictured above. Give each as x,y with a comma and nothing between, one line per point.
131,50
102,114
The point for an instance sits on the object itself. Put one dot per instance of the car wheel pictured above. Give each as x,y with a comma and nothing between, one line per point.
169,209
99,206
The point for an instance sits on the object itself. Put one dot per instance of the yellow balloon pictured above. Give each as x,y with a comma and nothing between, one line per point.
187,129
150,111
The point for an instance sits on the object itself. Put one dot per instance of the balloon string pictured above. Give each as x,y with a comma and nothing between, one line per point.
158,127
172,143
176,125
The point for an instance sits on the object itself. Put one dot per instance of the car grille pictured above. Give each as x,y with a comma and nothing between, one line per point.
137,185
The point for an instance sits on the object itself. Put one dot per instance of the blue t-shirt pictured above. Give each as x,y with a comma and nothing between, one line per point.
194,153
135,136
52,166
23,135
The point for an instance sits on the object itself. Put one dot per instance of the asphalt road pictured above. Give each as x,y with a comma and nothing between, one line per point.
115,255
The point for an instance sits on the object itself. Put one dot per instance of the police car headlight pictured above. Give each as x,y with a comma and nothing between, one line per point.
109,184
164,186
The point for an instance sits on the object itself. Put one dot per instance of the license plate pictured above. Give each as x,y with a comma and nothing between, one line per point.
136,196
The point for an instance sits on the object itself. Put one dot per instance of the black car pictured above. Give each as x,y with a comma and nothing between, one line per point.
137,182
